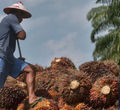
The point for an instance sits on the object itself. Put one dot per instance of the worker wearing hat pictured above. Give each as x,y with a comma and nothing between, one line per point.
10,31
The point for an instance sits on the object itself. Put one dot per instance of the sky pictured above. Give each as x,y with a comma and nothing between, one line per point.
57,28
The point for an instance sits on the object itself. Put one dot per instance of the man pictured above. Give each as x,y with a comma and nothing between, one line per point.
10,31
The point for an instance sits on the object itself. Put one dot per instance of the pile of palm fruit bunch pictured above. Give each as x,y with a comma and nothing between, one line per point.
10,97
63,87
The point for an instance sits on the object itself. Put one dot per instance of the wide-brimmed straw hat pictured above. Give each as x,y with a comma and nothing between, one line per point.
18,6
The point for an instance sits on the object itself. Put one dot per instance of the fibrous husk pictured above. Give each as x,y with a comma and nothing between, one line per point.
112,66
95,69
46,105
75,88
104,91
10,97
82,106
63,62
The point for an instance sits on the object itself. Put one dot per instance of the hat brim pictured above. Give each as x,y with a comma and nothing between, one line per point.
26,14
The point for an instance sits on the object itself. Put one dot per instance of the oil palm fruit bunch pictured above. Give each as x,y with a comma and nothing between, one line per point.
83,106
49,78
10,97
104,91
51,81
112,66
95,69
45,104
63,62
75,88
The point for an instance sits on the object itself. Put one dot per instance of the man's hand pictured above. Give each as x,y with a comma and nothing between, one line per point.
21,35
21,58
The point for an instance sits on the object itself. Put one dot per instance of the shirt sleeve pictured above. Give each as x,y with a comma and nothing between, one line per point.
14,23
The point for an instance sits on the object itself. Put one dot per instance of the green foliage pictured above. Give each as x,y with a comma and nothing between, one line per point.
105,18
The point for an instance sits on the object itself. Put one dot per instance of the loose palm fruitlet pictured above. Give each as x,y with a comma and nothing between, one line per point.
10,97
104,91
95,69
112,66
67,107
83,106
45,104
63,62
75,88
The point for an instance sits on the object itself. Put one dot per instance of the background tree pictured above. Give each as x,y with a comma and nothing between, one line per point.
106,17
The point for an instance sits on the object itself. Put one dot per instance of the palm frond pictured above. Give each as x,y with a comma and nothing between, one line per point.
96,11
108,47
103,26
104,1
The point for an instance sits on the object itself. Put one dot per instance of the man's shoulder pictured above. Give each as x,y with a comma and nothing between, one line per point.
10,17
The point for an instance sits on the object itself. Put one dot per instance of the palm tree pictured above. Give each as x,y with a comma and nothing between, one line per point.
106,17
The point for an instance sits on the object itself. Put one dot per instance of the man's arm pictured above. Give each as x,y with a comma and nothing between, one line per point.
21,35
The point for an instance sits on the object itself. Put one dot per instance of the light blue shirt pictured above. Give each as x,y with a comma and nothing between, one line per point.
9,27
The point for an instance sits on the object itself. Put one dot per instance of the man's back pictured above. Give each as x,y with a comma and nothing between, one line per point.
9,26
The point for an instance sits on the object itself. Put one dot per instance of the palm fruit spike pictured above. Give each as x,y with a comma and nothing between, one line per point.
82,106
10,97
95,69
75,88
62,62
104,91
45,104
112,66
